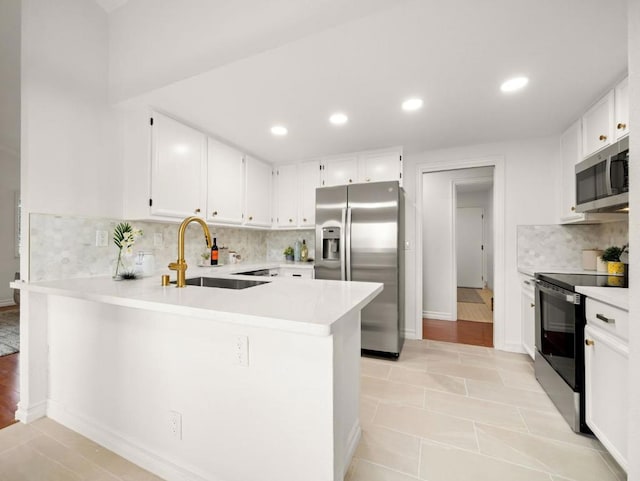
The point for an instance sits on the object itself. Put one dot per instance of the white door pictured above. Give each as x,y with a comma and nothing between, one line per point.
178,169
258,193
225,183
309,181
469,246
287,195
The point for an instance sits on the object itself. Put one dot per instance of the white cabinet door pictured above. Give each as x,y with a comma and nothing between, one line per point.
378,167
340,171
309,181
178,169
622,108
570,156
258,193
528,315
286,185
225,183
597,125
606,391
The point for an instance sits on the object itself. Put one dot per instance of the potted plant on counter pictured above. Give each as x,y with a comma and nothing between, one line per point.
288,253
612,256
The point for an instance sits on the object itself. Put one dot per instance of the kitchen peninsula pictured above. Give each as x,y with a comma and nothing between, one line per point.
203,383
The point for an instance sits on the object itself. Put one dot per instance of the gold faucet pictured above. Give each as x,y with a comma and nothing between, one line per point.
180,266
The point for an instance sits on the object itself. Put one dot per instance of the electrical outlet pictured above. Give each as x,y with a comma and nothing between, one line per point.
175,424
102,238
157,240
407,245
242,351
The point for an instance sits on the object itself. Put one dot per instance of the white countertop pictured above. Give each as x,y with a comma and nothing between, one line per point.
290,304
533,270
616,296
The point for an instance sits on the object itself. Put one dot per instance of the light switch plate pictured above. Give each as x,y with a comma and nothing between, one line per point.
157,240
102,238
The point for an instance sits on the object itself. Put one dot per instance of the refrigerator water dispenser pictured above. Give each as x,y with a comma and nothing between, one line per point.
331,243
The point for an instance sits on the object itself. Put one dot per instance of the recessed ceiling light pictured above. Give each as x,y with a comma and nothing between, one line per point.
514,84
338,118
279,130
412,104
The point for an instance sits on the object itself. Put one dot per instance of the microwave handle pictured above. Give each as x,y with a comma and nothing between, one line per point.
607,171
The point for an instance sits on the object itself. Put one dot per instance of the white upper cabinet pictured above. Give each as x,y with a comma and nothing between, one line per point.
571,155
622,109
380,166
362,167
340,171
178,169
257,193
286,185
308,181
225,183
597,125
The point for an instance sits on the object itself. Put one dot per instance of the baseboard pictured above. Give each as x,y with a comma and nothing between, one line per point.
352,445
439,316
512,347
122,446
7,302
31,413
410,334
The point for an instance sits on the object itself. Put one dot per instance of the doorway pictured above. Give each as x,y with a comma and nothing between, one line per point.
457,245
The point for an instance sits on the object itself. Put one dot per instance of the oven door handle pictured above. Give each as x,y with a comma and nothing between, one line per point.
571,298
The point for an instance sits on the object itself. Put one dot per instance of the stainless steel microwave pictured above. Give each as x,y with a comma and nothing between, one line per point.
602,180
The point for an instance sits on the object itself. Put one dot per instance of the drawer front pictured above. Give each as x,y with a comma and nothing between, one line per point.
297,273
610,318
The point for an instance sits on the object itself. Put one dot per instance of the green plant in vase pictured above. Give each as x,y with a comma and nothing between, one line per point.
124,237
612,256
288,253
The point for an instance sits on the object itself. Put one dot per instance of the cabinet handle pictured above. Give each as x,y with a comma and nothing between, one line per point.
589,342
605,319
250,217
214,213
368,179
532,305
290,220
573,208
304,219
197,211
621,126
602,137
350,181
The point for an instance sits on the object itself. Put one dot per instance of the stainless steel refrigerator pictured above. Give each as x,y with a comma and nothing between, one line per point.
360,237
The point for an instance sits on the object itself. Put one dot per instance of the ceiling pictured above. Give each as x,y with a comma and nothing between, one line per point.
453,54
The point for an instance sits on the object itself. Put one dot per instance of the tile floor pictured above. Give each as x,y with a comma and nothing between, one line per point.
454,412
442,412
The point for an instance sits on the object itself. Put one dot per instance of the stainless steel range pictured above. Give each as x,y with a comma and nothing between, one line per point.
560,321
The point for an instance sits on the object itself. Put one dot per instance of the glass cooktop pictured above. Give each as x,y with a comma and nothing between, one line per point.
570,281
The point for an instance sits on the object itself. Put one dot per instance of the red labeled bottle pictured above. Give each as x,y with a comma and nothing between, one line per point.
214,253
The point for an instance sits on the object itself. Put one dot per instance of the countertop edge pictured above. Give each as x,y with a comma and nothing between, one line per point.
615,296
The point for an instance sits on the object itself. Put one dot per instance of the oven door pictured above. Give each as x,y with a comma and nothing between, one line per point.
556,329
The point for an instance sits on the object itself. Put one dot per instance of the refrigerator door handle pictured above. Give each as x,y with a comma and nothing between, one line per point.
343,265
347,235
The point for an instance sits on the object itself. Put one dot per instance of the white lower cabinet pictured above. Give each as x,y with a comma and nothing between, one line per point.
528,314
606,390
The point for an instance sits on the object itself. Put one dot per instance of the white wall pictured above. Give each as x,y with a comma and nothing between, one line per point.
69,163
438,272
529,199
634,240
9,141
483,200
9,185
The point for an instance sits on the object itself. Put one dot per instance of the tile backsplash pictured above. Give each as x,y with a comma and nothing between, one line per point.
561,246
65,247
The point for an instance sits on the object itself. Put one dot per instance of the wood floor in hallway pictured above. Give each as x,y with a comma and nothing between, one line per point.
462,332
9,384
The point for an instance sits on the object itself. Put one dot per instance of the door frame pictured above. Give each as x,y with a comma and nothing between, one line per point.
498,163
